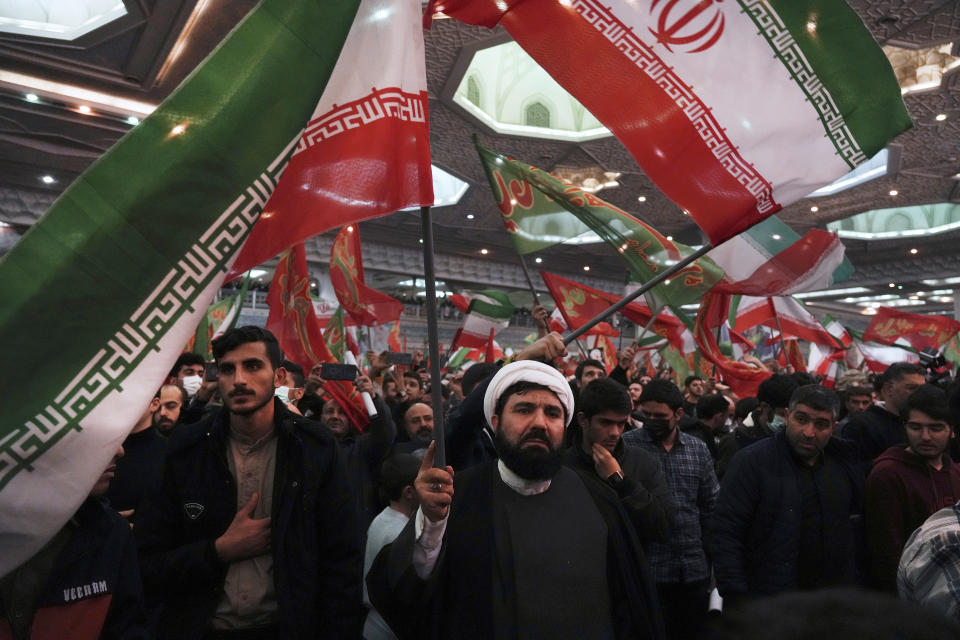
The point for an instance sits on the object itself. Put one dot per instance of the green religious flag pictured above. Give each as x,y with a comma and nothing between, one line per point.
540,210
335,335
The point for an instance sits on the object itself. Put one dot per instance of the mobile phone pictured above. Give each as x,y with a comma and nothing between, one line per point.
333,371
393,357
210,372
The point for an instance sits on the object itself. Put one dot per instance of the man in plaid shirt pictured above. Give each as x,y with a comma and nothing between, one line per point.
930,565
681,569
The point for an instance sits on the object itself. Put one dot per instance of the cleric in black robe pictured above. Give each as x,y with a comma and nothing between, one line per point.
524,548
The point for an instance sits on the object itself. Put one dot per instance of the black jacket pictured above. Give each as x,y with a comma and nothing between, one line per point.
363,454
469,441
644,493
755,529
315,535
94,588
456,602
874,431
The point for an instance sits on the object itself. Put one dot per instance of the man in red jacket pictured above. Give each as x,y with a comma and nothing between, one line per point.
908,484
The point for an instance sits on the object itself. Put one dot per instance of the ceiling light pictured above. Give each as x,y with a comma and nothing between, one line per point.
586,267
420,241
513,202
65,93
470,216
775,236
48,179
670,238
891,285
941,117
814,209
642,199
84,109
685,212
538,260
893,192
914,251
484,251
869,311
134,120
32,97
350,228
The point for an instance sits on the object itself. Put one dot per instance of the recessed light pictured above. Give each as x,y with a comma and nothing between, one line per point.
685,212
350,229
538,260
586,267
48,179
914,251
84,109
420,241
891,285
814,209
484,251
32,97
670,238
893,192
775,236
134,120
941,117
470,216
642,199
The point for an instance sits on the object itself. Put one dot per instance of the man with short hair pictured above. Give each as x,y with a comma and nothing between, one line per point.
412,385
635,389
418,425
172,399
693,389
589,370
187,371
856,399
881,425
712,413
680,566
525,547
787,508
253,532
909,484
603,411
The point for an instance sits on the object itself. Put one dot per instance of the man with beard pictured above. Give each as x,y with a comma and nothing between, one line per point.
680,565
525,548
418,425
253,532
141,469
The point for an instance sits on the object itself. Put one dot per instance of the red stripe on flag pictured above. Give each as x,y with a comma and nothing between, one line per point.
677,147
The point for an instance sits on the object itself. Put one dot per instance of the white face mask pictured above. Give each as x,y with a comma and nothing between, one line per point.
192,384
283,393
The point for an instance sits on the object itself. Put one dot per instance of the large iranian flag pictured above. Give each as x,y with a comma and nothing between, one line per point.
135,248
365,151
488,311
733,108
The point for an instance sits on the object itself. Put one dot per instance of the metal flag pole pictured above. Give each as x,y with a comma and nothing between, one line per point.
526,273
649,284
783,345
433,338
653,318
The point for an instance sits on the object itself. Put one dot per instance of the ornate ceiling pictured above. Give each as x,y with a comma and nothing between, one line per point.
143,54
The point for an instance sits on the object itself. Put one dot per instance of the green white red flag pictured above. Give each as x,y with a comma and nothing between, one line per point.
734,109
365,151
782,313
920,331
489,310
220,317
293,321
771,259
365,305
393,338
742,378
540,210
136,247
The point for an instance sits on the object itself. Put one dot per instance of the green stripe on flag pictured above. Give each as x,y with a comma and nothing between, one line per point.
492,304
132,243
830,41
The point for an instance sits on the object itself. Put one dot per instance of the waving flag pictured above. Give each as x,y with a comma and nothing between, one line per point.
740,376
734,109
780,312
220,317
770,259
540,210
365,305
335,335
393,338
920,331
489,311
365,151
135,248
293,321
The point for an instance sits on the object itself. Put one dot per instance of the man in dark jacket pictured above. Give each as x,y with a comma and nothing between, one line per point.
525,547
909,484
789,507
254,531
603,412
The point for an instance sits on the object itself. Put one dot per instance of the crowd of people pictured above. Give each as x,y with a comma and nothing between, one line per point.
249,501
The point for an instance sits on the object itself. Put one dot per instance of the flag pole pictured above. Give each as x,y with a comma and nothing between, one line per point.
526,273
653,318
783,346
433,337
649,284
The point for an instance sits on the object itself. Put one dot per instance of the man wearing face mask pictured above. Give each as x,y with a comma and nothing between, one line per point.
188,372
768,418
680,566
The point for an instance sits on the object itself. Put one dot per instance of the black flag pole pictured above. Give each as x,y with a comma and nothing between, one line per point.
649,284
526,273
433,338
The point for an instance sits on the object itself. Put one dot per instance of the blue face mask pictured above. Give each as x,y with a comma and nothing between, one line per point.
777,423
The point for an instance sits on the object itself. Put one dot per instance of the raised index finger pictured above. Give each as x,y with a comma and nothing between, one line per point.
427,462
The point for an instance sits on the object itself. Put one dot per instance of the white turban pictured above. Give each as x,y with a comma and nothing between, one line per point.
527,371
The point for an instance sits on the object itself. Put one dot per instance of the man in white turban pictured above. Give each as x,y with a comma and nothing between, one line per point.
525,548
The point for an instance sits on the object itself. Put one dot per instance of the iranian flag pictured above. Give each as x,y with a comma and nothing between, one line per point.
825,362
135,247
734,109
488,311
782,313
540,210
771,259
365,151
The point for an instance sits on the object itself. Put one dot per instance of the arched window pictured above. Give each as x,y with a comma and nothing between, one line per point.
536,115
473,91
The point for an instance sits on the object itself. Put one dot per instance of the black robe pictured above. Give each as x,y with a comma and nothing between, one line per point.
457,601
